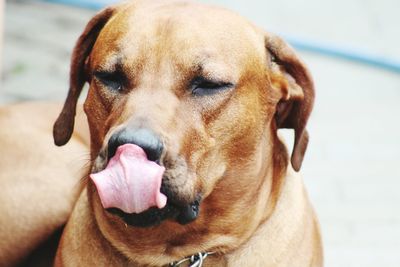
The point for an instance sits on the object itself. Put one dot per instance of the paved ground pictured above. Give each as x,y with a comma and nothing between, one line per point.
352,167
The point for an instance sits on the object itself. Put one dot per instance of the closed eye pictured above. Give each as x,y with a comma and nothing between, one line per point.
112,80
202,86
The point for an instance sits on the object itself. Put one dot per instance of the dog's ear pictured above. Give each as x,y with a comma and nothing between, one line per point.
292,79
64,125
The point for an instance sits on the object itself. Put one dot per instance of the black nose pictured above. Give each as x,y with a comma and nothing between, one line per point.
145,138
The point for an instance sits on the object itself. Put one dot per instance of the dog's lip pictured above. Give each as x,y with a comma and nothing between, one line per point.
100,162
147,218
183,214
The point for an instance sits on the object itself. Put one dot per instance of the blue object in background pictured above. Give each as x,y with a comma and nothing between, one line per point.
332,50
343,52
91,4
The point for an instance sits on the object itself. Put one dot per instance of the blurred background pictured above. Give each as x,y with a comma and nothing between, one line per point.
352,166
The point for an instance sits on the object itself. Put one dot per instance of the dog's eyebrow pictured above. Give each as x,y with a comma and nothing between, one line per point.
214,71
113,64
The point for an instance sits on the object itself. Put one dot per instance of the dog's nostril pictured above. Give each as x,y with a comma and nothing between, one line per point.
142,137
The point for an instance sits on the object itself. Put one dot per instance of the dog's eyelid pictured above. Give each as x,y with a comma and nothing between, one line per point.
210,83
201,86
113,80
106,73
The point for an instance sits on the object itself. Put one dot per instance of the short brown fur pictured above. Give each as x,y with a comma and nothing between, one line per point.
225,147
39,182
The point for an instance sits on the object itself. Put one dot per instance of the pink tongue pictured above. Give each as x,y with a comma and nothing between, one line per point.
130,182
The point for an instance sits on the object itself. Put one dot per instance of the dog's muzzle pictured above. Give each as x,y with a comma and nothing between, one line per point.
153,147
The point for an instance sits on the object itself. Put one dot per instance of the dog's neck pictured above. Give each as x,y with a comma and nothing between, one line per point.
283,230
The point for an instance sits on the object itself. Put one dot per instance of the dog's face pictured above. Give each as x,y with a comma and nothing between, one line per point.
203,92
190,89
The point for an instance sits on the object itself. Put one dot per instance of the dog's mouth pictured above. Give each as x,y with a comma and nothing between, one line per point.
136,189
154,216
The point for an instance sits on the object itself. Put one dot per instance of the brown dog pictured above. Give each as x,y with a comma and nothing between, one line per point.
201,92
39,182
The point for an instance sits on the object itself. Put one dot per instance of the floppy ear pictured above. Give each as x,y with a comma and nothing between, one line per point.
64,125
291,77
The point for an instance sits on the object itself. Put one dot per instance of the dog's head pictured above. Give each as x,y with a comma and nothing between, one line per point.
202,92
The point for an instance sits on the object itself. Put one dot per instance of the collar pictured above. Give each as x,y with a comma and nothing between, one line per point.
196,260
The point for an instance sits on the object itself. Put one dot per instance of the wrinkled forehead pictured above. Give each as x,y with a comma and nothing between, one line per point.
188,34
